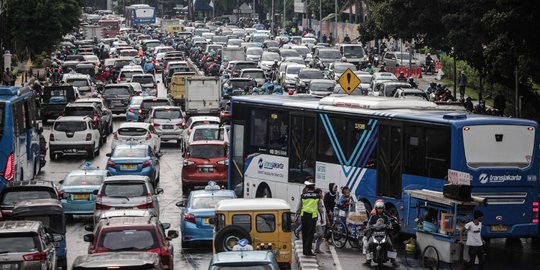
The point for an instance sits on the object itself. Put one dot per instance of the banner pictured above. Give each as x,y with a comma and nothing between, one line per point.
299,6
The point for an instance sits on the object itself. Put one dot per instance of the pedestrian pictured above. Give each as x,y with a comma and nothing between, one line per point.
469,105
309,208
320,226
330,199
6,77
462,85
500,104
324,38
346,39
331,39
14,74
474,240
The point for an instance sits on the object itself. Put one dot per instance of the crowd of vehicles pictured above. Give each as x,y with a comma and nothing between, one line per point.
245,158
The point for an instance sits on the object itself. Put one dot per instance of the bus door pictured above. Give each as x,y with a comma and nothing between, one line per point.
236,167
302,154
389,160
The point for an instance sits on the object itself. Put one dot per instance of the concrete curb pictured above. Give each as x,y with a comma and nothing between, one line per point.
302,261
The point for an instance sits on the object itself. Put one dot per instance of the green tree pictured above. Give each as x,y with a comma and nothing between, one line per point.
40,24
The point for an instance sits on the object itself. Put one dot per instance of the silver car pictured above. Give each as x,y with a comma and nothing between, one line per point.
168,121
24,245
126,192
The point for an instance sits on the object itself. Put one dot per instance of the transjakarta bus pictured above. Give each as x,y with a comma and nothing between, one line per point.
140,14
379,147
19,138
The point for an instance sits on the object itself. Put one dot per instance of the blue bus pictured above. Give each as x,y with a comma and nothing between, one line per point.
19,135
379,147
140,14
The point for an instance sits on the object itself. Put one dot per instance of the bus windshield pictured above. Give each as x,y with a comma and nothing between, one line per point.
492,146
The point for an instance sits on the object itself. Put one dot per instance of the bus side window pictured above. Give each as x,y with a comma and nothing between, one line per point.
27,114
18,118
437,152
332,137
302,152
278,133
259,126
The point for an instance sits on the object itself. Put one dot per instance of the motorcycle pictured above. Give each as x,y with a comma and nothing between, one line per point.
379,248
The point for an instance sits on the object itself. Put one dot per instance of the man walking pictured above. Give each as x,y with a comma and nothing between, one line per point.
462,85
6,77
474,240
309,208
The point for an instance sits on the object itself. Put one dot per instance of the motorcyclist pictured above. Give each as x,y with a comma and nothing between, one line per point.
369,69
344,59
148,66
412,83
429,62
374,219
402,77
432,88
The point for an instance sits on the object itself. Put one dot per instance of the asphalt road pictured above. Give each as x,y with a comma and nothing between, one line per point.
170,162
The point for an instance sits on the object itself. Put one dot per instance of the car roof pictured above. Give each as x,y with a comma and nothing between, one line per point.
30,183
166,108
252,204
135,124
209,193
117,85
143,75
88,171
76,76
72,118
132,146
88,100
127,213
205,126
208,142
126,177
116,259
252,69
323,80
152,98
19,226
235,257
203,118
81,104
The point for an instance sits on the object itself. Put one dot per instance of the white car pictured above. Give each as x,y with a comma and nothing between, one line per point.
136,132
204,133
74,135
127,72
195,121
168,122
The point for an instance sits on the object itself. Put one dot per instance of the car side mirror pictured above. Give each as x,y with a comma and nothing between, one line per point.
95,192
166,226
159,154
180,204
212,221
108,154
57,237
49,238
89,228
157,81
171,234
88,238
159,191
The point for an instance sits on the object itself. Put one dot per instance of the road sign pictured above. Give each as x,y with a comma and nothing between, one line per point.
349,81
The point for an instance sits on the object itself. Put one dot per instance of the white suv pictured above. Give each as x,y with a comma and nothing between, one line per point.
74,135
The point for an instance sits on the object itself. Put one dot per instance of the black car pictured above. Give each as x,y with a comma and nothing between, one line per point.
20,191
54,100
117,96
149,102
118,260
99,120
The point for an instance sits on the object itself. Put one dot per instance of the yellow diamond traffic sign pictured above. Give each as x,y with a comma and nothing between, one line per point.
349,81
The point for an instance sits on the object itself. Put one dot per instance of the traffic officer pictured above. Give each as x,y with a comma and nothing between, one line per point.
309,208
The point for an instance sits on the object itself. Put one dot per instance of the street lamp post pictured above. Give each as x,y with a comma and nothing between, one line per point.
335,20
454,76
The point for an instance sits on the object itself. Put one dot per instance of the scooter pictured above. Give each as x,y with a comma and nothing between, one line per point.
378,246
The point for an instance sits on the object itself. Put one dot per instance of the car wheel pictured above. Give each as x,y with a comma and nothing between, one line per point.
229,236
62,263
92,154
186,244
185,190
52,155
111,127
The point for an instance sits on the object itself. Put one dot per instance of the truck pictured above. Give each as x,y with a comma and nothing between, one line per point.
178,88
171,26
54,101
203,95
91,31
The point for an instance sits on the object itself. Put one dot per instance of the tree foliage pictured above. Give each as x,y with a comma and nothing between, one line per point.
40,24
493,36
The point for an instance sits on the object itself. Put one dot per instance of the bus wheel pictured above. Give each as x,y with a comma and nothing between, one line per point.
263,192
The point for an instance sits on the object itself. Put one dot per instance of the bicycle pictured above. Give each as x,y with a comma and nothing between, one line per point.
343,232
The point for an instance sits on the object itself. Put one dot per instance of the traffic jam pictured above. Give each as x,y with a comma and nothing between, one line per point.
138,156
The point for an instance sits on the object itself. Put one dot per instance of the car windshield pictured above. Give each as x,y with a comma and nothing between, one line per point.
403,56
356,51
242,267
152,44
167,114
10,243
342,68
293,70
116,91
147,104
322,86
130,153
13,197
129,74
221,39
132,131
289,53
207,151
240,66
78,111
365,78
78,82
270,56
83,180
253,74
129,240
143,79
207,202
70,126
254,51
311,74
136,101
121,63
302,50
204,134
329,54
240,84
124,189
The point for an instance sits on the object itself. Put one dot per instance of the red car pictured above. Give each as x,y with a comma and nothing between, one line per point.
133,233
205,161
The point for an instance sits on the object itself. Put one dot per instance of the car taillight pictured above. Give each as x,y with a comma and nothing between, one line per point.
147,163
61,193
184,124
9,171
115,136
140,111
535,212
51,137
111,164
154,123
88,136
188,162
180,124
149,136
189,217
99,203
38,256
149,202
131,110
224,162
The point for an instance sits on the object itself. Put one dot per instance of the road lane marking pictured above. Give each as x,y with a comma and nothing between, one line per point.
335,257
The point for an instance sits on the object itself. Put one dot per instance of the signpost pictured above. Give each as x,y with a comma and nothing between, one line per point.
349,81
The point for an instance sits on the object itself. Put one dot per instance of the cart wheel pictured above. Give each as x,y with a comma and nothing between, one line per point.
339,234
412,259
430,258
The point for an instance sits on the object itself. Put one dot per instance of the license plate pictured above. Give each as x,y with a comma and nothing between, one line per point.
168,126
392,254
81,196
206,170
499,228
9,266
129,166
69,151
206,220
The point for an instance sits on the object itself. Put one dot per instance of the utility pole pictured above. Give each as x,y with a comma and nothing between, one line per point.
273,16
517,92
284,13
455,67
335,20
320,20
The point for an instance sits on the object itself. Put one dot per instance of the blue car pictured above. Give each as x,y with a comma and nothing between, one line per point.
134,159
132,111
77,188
196,212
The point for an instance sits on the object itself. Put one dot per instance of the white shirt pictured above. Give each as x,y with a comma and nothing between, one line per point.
474,237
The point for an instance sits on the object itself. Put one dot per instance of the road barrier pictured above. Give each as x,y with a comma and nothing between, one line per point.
415,72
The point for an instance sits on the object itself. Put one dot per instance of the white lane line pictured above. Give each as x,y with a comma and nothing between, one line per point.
335,257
